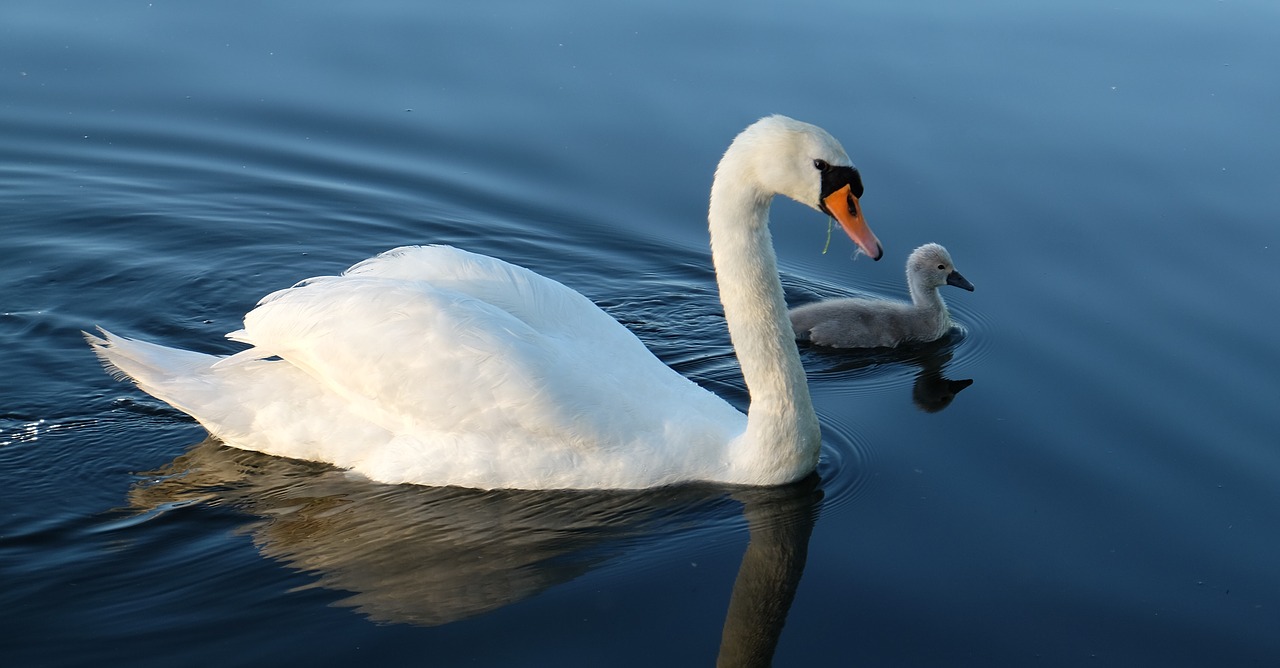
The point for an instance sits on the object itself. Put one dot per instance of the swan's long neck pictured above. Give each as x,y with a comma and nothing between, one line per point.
782,439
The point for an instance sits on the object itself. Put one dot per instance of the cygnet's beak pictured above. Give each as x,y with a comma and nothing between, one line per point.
843,206
954,278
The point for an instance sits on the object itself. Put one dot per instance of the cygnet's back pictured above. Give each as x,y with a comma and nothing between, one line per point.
877,323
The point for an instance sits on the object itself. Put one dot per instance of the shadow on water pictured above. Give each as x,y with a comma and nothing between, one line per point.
435,555
931,389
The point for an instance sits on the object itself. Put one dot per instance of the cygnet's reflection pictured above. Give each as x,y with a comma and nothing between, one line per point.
430,556
931,392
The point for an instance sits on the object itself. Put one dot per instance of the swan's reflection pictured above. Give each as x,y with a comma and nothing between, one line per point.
931,392
780,521
429,556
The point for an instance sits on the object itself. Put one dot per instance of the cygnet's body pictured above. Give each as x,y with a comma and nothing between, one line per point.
879,323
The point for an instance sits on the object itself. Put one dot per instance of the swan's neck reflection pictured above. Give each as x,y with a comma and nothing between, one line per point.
780,522
431,556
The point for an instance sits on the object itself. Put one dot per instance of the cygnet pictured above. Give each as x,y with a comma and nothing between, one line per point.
879,323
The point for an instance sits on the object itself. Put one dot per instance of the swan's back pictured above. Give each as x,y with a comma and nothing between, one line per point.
542,303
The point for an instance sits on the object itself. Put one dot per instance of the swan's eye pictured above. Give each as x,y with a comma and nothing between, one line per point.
821,165
942,267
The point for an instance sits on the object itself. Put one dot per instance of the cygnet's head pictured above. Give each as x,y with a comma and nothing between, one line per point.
803,162
930,267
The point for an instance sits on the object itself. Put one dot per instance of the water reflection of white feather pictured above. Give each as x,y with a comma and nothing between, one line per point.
431,556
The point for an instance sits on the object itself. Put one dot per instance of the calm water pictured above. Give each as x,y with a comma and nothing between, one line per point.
1104,493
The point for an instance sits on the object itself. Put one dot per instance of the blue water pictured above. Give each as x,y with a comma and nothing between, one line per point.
1103,493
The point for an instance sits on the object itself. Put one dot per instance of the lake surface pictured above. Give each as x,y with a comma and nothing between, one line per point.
1103,493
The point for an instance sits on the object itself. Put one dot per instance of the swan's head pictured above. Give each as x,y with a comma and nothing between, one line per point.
930,267
802,161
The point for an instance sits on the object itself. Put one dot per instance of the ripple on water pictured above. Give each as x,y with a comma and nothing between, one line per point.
976,329
857,372
844,464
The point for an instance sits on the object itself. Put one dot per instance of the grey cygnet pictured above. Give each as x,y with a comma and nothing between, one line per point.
880,323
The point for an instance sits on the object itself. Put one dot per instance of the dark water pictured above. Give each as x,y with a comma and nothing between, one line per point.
1104,493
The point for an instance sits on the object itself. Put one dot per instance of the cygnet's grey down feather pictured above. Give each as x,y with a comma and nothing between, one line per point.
879,323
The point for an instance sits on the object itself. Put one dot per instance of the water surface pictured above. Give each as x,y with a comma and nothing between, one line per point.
1103,491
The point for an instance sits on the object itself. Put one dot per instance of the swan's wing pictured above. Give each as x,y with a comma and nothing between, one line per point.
533,374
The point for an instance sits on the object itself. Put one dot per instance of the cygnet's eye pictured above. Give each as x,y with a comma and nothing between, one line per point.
942,266
821,165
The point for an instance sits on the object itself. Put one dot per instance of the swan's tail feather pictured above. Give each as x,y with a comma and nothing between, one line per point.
164,373
100,348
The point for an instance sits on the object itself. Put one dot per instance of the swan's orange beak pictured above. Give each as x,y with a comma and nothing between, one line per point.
844,207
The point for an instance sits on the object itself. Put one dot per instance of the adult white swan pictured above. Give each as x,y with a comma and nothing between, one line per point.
436,366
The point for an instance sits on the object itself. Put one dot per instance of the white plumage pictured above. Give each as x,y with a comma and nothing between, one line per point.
437,366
